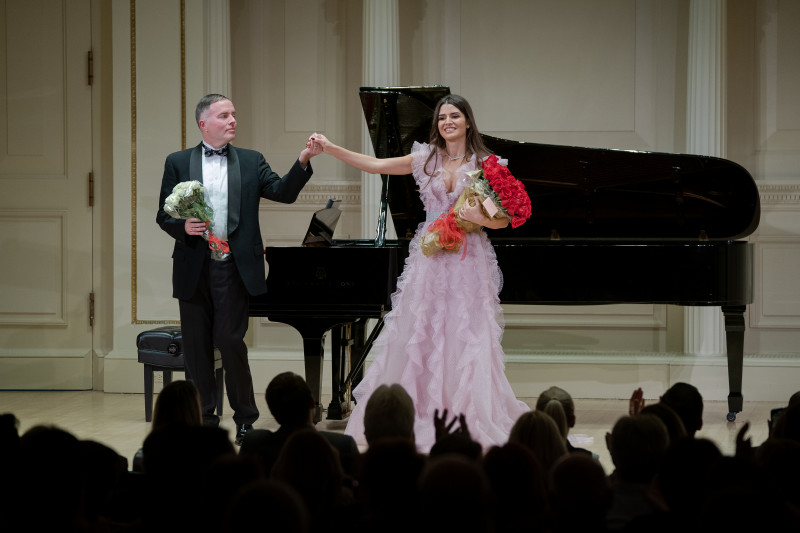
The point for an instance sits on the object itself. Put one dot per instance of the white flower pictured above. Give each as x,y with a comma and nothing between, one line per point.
188,201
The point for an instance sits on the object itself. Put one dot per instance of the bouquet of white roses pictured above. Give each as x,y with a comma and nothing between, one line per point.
188,201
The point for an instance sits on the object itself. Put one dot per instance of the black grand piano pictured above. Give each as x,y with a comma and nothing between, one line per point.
608,226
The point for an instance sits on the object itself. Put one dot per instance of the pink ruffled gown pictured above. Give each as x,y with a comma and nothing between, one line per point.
441,340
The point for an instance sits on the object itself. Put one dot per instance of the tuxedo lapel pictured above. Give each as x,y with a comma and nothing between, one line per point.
234,189
196,164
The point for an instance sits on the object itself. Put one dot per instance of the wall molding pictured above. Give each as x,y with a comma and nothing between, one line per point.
597,375
52,304
779,195
314,196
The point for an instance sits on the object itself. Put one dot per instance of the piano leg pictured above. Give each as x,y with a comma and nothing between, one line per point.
353,378
341,342
361,351
314,353
734,334
348,346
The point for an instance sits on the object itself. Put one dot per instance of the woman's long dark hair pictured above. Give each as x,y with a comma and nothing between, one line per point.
474,142
178,403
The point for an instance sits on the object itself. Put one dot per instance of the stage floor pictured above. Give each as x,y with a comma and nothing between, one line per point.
117,420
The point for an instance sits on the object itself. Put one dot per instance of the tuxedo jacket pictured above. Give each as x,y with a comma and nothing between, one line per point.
250,178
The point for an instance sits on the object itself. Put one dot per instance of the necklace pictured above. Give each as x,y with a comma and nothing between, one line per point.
451,158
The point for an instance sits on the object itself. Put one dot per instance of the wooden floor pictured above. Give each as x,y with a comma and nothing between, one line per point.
117,420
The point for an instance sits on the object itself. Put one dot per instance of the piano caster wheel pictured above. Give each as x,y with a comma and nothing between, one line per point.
731,417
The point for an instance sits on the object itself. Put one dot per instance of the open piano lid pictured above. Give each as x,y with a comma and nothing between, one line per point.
577,193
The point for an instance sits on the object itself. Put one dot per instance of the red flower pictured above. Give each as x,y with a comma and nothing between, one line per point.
509,190
450,233
493,183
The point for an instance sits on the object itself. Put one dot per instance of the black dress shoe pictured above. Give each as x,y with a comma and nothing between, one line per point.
241,431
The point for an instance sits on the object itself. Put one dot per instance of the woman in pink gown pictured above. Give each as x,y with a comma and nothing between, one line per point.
441,340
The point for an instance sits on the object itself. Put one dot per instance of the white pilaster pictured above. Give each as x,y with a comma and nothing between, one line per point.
704,332
218,51
381,69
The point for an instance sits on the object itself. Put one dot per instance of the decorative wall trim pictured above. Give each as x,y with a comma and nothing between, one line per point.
650,316
782,195
314,197
627,358
133,162
37,353
53,312
776,304
183,74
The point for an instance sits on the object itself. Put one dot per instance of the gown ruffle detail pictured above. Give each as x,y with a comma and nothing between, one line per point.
441,340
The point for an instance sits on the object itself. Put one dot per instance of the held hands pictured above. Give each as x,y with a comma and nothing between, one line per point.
312,149
319,142
195,226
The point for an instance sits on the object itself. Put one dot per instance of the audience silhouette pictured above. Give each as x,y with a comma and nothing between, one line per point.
538,432
684,399
687,402
671,420
387,486
292,404
193,479
51,454
177,403
580,495
454,496
279,509
389,413
559,404
520,501
637,445
309,464
9,463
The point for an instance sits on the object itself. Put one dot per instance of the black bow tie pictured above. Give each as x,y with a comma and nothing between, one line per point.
222,151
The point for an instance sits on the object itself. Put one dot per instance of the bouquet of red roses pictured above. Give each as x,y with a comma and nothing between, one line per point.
188,201
500,195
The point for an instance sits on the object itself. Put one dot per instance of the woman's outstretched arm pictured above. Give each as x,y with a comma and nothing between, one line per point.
373,165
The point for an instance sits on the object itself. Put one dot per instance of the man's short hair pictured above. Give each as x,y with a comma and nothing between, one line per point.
687,401
205,102
389,413
289,399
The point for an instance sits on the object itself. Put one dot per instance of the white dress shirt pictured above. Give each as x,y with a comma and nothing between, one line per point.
215,181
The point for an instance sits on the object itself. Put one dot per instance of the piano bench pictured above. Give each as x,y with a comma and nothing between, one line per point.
161,350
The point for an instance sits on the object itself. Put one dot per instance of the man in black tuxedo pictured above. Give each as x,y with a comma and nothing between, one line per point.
213,295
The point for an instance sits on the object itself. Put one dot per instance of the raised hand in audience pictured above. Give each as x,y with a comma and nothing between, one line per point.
744,446
445,428
636,403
